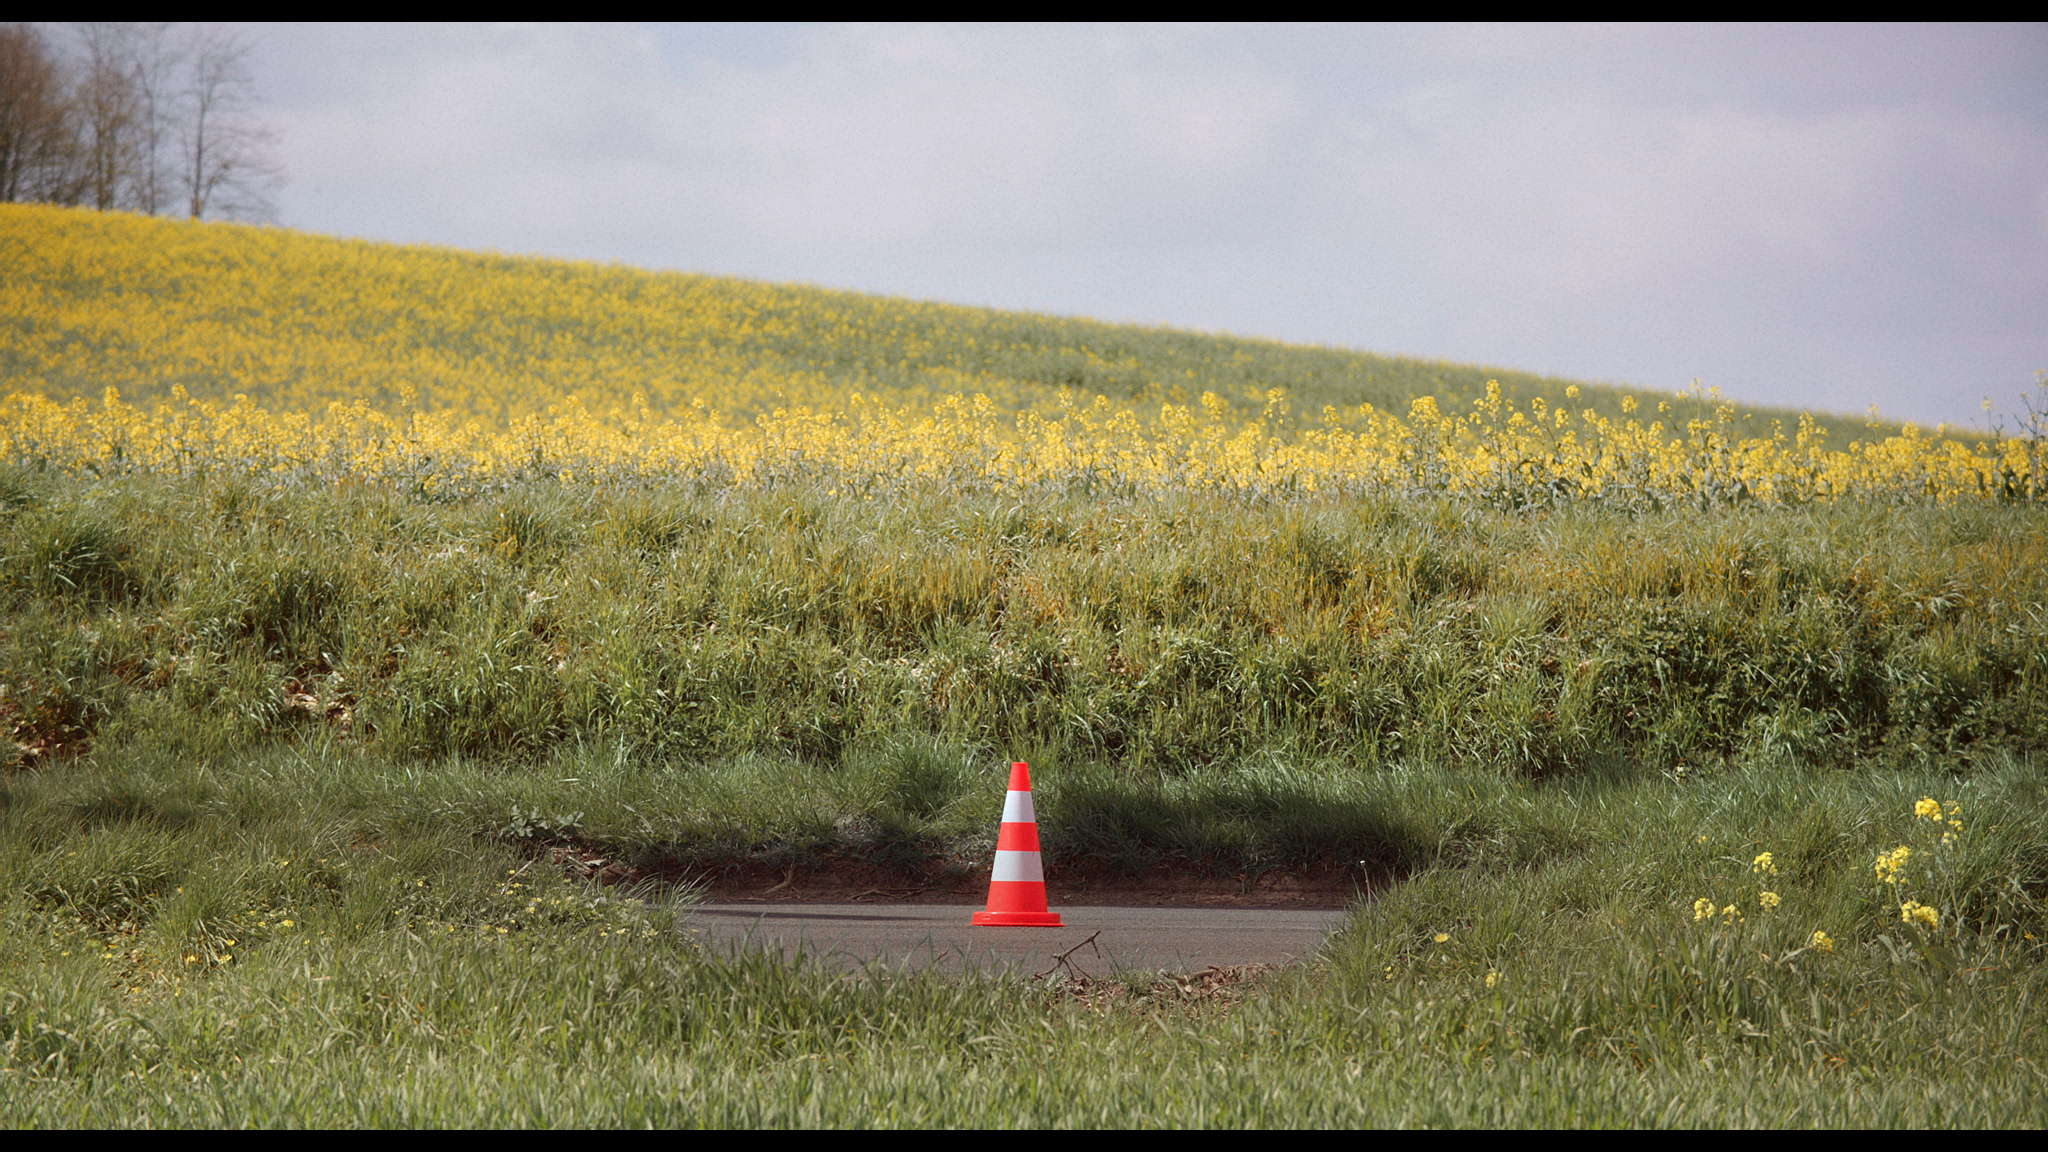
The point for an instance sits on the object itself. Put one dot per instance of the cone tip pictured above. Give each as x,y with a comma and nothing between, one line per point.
1020,777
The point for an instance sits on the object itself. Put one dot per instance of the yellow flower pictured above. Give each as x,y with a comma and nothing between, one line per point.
1913,912
1492,977
1732,913
1927,808
1821,942
1889,863
1702,909
1442,936
1763,864
1768,899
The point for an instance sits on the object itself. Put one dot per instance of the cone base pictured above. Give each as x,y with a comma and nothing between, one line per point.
1018,919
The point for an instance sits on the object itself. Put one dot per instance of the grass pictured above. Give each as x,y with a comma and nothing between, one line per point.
273,845
1146,638
430,976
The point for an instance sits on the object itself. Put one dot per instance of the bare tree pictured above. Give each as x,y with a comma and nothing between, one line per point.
225,159
153,61
36,143
149,117
108,114
126,108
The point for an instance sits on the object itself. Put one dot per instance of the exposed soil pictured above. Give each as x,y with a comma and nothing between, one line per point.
937,880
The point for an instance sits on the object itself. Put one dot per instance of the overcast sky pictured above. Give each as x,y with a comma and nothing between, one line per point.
1810,216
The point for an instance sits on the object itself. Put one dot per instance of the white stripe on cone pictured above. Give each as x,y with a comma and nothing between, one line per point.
1018,866
1017,809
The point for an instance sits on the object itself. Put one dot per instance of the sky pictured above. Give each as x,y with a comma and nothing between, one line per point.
1816,217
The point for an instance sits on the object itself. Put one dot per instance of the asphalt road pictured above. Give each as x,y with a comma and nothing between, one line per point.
938,935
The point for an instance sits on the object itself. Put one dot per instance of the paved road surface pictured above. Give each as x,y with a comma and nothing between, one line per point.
939,935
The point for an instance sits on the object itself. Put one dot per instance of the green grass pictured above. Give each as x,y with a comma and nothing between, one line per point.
273,843
1145,638
417,985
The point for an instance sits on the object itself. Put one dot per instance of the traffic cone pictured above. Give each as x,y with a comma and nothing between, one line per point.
1016,890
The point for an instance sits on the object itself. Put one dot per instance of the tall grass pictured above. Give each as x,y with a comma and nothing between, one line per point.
1149,637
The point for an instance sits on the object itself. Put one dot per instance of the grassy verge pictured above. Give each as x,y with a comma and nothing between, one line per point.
293,940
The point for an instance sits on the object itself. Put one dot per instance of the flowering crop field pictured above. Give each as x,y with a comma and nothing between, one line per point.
354,598
142,344
297,323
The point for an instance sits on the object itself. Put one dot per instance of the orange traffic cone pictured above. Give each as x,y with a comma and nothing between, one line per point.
1016,890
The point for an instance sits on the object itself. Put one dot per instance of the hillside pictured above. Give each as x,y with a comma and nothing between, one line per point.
297,322
365,741
273,353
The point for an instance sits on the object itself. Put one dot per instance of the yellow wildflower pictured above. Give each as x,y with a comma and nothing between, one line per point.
1492,977
1821,942
1889,863
1928,808
1768,899
1442,936
1914,912
1702,909
1763,864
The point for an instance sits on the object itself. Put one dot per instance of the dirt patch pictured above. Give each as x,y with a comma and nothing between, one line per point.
938,880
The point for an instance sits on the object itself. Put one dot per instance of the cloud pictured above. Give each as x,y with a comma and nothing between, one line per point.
876,136
1725,239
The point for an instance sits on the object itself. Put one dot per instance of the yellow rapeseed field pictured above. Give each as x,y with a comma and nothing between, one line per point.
275,353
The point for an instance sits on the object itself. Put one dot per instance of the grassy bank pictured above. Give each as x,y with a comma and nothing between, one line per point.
1143,637
305,939
285,758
